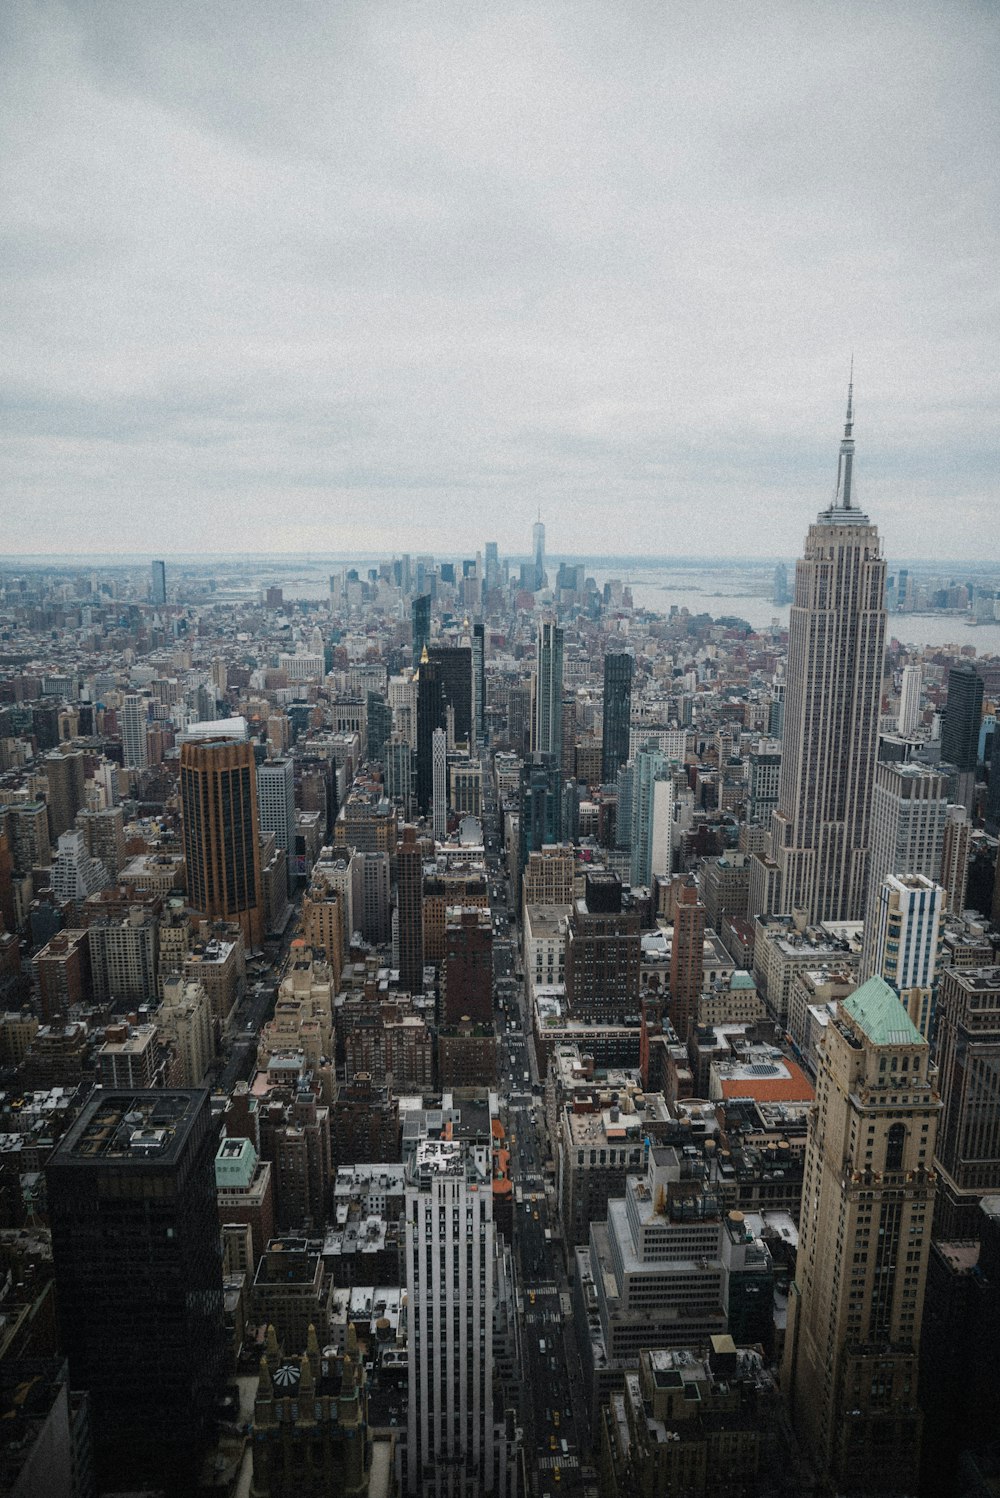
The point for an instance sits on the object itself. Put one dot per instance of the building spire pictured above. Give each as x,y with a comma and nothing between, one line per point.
845,464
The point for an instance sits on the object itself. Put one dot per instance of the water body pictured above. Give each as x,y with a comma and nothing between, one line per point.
744,592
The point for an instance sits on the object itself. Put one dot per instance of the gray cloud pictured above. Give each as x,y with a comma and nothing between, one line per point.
376,275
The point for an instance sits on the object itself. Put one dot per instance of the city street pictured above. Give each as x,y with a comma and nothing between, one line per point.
556,1445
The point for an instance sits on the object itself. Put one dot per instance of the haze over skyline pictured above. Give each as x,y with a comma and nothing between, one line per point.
371,277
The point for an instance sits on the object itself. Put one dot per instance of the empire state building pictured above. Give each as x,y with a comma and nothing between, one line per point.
819,832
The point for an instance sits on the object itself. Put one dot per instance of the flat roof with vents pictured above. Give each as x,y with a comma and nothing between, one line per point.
132,1125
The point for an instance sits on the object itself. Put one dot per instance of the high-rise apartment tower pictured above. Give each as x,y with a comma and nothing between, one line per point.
134,721
546,726
909,698
276,806
410,911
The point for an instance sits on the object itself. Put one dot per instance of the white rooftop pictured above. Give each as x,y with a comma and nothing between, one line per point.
219,728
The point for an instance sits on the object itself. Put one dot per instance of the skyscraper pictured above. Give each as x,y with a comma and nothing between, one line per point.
618,668
541,805
603,955
276,806
218,784
910,688
379,722
850,1369
960,730
398,771
455,1445
467,974
547,685
138,1269
158,583
479,681
906,917
650,769
687,957
962,718
909,809
954,873
410,911
134,720
763,777
454,663
993,799
538,548
492,566
968,1051
67,791
819,833
420,610
430,716
439,761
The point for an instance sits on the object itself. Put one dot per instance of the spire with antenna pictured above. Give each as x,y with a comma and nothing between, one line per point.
845,464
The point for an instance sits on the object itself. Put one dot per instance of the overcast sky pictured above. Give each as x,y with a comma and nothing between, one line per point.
364,277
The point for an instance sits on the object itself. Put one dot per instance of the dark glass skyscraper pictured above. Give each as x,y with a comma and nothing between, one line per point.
541,804
379,724
617,713
410,911
962,719
430,715
454,662
993,801
479,679
420,611
138,1269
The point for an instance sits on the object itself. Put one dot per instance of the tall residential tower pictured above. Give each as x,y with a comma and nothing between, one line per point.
547,686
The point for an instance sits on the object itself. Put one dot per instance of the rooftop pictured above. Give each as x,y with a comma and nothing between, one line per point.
124,1126
876,1008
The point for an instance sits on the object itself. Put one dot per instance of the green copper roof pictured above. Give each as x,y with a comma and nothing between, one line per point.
741,979
876,1008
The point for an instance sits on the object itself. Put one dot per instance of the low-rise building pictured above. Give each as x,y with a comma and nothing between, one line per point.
785,945
689,1423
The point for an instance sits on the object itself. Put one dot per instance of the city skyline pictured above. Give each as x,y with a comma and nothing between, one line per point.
389,277
540,1153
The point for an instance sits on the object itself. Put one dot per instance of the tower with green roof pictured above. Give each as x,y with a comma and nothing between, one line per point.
850,1368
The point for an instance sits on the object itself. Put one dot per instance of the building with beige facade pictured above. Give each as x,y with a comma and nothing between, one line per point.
855,1310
